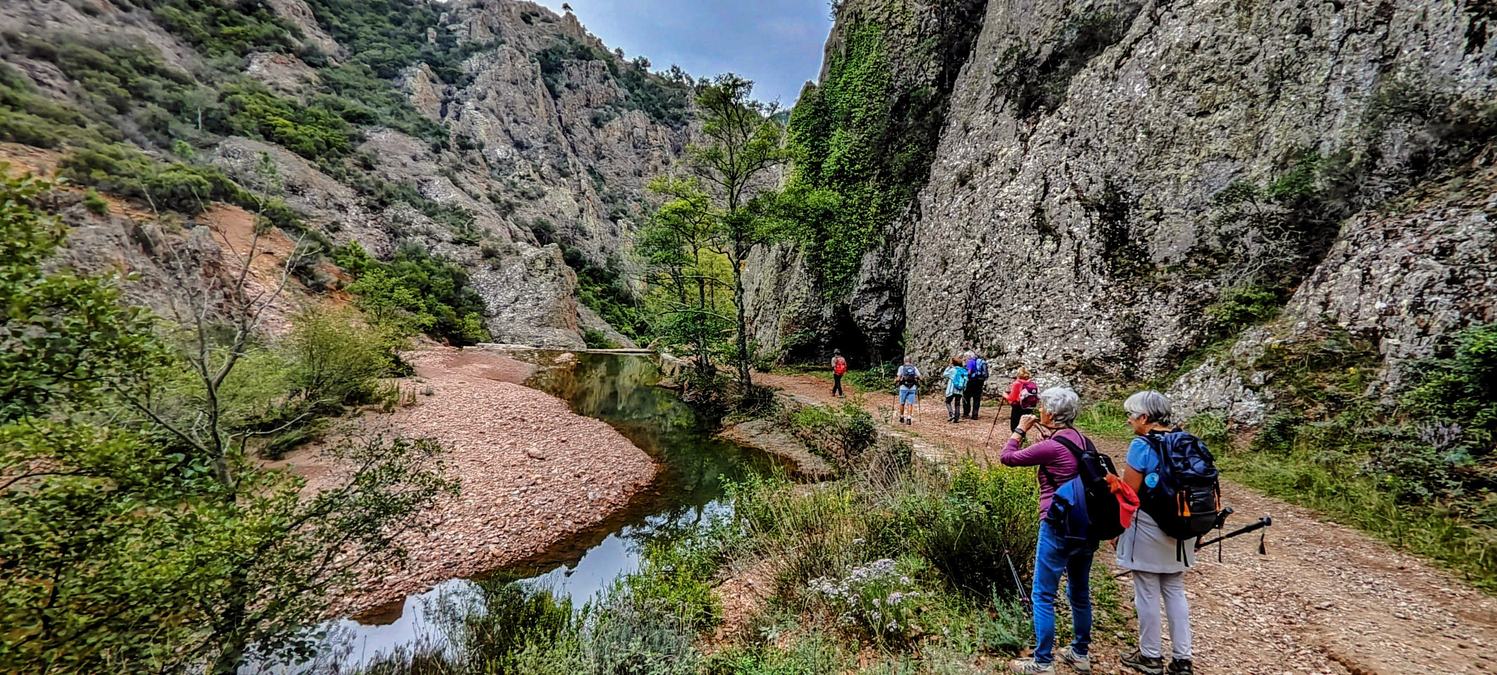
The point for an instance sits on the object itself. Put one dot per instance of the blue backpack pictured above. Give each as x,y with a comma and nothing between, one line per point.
1084,510
959,379
980,369
1186,498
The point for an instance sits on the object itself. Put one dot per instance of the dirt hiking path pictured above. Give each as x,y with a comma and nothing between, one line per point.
1325,599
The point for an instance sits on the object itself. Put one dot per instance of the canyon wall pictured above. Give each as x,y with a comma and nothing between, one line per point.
1120,187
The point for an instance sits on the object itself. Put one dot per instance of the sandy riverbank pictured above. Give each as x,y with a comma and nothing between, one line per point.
533,472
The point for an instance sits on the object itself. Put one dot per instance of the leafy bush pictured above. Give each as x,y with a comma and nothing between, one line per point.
177,186
596,339
249,109
1417,474
840,434
1238,308
223,29
62,333
389,35
95,203
985,518
416,291
337,359
602,289
114,77
28,117
362,98
1459,385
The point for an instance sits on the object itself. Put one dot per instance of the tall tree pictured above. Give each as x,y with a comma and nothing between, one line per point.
683,263
744,147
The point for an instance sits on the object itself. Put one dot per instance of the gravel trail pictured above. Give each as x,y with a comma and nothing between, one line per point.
1325,598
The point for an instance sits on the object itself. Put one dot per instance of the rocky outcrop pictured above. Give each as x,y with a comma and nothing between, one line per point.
532,302
883,93
1109,170
1401,277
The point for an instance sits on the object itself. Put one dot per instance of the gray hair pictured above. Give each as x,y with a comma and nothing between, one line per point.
969,354
1061,403
1150,404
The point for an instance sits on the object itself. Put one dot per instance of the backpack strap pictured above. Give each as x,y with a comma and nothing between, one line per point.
1075,452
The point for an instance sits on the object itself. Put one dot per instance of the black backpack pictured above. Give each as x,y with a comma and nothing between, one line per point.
1084,510
908,376
1186,501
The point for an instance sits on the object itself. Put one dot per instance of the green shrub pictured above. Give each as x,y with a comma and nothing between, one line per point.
1458,385
596,339
812,654
1211,428
223,29
188,188
1241,307
337,359
840,434
416,291
603,290
95,203
249,109
1417,475
985,518
114,76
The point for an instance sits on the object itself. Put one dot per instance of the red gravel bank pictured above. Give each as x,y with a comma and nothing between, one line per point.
533,472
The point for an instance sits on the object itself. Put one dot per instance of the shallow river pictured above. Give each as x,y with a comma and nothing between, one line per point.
621,391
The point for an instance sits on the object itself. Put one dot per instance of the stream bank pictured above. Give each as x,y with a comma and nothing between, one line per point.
534,473
599,400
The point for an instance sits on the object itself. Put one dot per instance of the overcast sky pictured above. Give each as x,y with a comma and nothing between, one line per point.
775,43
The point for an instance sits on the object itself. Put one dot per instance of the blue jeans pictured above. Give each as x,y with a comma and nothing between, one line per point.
1050,560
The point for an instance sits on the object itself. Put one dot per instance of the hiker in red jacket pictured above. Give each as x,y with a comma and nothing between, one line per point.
1023,396
839,368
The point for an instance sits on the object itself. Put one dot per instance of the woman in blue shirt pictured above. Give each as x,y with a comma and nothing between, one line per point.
1157,560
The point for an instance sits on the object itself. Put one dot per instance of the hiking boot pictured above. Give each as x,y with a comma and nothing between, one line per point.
1148,665
1180,667
1080,663
1029,667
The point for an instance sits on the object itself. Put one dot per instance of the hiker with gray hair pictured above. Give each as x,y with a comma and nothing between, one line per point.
1057,464
1156,560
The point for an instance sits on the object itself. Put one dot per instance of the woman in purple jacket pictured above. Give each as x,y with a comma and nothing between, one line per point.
1057,410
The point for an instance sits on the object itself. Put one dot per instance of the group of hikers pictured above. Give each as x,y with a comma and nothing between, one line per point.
1155,512
966,380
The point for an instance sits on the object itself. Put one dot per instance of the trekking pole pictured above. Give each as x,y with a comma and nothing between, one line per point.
991,428
1263,522
1018,584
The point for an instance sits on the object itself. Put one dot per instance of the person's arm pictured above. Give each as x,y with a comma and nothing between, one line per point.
1042,452
1013,392
1133,477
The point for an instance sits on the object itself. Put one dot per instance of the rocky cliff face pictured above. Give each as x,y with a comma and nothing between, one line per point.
866,133
536,146
1113,179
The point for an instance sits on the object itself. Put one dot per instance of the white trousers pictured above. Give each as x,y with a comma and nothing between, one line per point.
1148,590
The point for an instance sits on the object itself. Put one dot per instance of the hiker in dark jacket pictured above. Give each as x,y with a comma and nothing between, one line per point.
1157,560
1057,410
977,379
